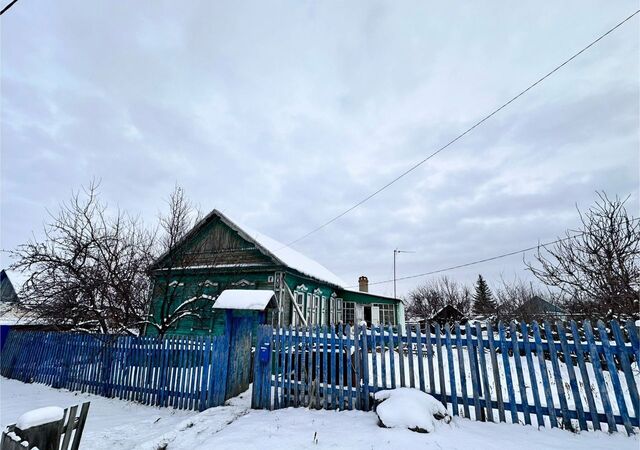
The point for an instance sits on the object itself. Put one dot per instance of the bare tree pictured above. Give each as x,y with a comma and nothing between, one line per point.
172,301
426,300
88,272
598,268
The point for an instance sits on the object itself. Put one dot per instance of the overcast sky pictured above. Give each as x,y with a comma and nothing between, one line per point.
283,114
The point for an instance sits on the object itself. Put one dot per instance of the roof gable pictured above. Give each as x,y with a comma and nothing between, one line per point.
248,239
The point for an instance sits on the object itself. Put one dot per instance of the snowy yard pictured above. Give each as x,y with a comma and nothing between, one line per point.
114,424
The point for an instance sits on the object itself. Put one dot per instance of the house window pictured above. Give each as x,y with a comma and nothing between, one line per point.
316,310
308,310
349,312
387,314
300,302
325,307
339,316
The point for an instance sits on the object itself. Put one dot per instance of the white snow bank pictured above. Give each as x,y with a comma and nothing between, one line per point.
256,299
40,416
409,408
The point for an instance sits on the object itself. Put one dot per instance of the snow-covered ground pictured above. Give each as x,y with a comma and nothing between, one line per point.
116,424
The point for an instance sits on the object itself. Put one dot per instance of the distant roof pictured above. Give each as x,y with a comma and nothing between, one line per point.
538,304
255,299
7,291
280,252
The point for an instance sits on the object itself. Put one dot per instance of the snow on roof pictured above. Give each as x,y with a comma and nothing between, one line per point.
256,299
289,256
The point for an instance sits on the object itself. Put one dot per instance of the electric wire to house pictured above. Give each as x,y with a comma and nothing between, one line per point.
467,131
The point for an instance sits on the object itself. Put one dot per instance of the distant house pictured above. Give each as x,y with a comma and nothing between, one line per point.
448,314
218,255
7,291
537,307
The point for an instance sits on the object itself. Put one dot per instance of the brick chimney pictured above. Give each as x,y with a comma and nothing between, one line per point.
363,284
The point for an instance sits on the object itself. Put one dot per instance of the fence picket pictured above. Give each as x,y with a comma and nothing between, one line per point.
443,388
496,373
597,369
504,347
572,376
408,332
452,373
475,381
526,344
421,375
626,367
551,410
615,380
365,368
340,368
519,372
430,361
357,351
334,352
462,372
349,371
483,372
577,343
566,421
383,356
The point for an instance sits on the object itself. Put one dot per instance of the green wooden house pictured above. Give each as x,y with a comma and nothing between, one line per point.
219,255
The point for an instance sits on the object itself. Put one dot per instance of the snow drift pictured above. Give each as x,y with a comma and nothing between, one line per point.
409,408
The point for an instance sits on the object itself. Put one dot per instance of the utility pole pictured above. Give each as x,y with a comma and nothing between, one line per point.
395,252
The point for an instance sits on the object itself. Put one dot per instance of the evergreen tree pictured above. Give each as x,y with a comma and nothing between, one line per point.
483,302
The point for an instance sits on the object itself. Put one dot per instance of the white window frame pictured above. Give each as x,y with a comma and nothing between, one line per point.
316,309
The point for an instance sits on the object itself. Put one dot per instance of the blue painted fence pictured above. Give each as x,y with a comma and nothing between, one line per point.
560,375
180,372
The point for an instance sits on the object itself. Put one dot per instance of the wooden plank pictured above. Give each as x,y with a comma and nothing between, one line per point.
296,367
564,407
520,374
357,357
341,380
443,388
365,368
484,374
462,372
452,372
409,332
417,337
392,356
551,410
373,347
597,369
475,380
632,332
309,339
533,382
325,371
289,393
82,419
572,376
349,369
577,344
383,356
430,361
626,366
318,358
496,373
504,347
301,371
276,367
268,333
68,427
204,382
334,362
615,379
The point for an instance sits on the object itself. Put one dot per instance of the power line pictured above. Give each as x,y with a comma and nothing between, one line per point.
467,131
6,8
480,261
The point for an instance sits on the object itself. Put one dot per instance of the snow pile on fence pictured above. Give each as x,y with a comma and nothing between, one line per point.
410,408
39,416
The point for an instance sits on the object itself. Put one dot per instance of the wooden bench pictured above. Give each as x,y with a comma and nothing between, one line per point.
49,436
